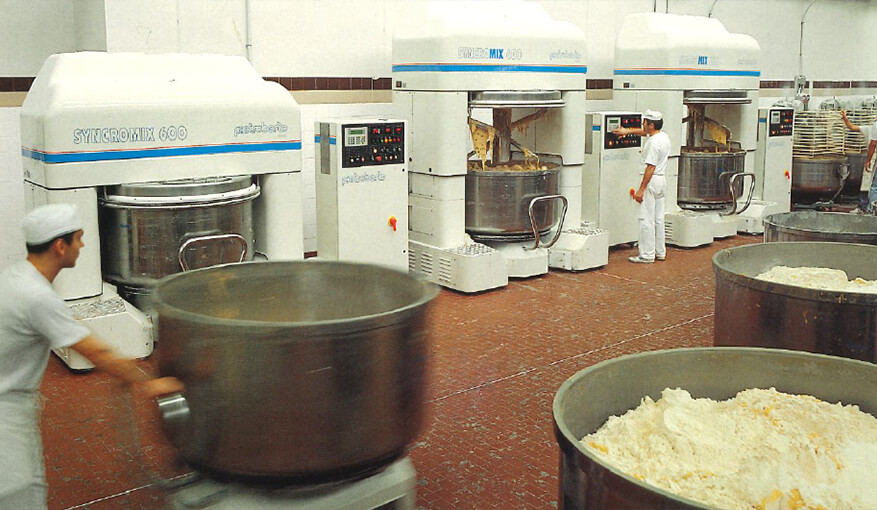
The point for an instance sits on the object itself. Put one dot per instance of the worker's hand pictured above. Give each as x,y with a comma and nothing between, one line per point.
638,196
620,131
843,114
161,386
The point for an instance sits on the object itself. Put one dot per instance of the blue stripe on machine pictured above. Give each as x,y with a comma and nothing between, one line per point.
317,139
496,68
198,150
684,72
595,128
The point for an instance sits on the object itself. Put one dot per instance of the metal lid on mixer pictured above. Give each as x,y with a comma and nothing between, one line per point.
516,99
182,192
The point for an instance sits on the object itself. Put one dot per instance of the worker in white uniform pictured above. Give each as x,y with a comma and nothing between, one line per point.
868,190
33,320
651,191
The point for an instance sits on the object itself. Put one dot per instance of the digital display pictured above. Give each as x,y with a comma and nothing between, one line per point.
355,137
774,117
613,123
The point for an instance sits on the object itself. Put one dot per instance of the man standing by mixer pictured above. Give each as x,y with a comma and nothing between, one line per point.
33,321
868,190
650,194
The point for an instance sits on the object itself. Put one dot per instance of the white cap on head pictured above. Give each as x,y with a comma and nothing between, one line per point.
50,221
652,115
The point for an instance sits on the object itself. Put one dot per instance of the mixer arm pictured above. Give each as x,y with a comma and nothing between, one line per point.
533,219
523,121
733,210
843,171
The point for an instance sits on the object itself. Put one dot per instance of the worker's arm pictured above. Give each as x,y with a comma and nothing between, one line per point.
870,154
647,176
850,125
629,131
101,355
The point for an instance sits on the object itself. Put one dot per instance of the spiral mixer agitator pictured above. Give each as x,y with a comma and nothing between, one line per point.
494,96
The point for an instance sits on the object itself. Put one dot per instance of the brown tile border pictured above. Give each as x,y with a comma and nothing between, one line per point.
831,84
598,84
15,83
331,83
776,84
23,83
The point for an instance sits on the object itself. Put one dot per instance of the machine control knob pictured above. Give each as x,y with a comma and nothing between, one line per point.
392,222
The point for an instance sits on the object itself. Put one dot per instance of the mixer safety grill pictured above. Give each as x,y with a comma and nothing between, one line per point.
585,231
471,250
818,133
82,311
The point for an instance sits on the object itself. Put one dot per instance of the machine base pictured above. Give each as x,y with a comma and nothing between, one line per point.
468,268
751,221
724,226
118,323
394,487
520,261
689,229
578,249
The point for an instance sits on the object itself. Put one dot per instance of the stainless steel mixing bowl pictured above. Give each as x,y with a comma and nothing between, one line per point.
586,400
304,371
820,226
758,313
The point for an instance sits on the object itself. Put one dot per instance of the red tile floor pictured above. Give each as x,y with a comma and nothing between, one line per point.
497,360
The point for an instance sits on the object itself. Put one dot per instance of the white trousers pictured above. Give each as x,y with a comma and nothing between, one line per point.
652,238
23,479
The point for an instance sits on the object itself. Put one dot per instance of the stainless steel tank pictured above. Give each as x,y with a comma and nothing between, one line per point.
816,178
154,229
498,203
820,226
753,312
856,165
586,400
302,371
705,178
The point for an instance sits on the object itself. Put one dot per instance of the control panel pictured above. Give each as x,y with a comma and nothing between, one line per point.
780,121
373,144
362,191
613,122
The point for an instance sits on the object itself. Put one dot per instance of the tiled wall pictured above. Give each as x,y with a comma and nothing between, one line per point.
11,194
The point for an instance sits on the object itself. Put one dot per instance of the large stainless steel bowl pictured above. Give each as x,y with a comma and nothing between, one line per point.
753,312
816,178
586,400
820,226
304,371
153,229
705,178
498,203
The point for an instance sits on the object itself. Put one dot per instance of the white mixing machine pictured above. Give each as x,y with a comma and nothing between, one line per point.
504,84
96,120
773,169
705,82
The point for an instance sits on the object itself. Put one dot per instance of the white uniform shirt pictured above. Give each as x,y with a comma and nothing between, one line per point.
33,320
656,152
870,133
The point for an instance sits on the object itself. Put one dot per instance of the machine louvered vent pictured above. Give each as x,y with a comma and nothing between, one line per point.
818,133
855,141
